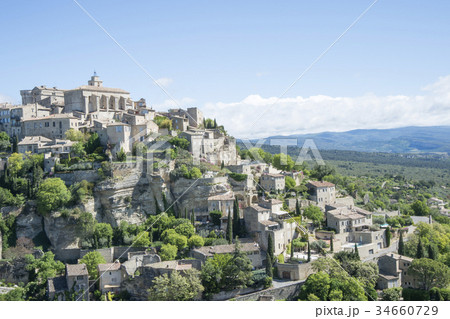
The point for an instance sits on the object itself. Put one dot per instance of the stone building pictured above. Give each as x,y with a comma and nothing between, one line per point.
41,144
324,193
43,95
394,272
346,220
75,280
272,182
94,97
11,117
211,146
267,217
110,277
222,202
53,126
251,249
179,123
193,115
119,137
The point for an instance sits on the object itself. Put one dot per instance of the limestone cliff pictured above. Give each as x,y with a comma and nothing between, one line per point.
29,223
63,232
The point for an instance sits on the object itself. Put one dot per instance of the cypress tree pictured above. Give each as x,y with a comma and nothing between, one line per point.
164,201
236,219
222,166
432,253
270,248
229,232
401,245
297,208
192,217
387,235
420,250
14,144
185,213
269,269
309,252
356,252
332,243
215,123
150,233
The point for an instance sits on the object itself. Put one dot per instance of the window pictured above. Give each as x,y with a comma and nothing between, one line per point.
47,124
54,124
80,277
119,129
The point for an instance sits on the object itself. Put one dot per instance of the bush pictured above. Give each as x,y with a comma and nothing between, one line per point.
215,215
392,294
52,194
196,241
121,155
168,252
179,142
238,177
410,294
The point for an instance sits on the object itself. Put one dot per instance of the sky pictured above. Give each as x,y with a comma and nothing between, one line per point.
234,59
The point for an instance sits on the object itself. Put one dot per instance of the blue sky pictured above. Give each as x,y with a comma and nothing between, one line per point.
223,53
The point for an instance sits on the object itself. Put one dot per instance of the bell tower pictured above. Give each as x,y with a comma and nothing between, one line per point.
95,80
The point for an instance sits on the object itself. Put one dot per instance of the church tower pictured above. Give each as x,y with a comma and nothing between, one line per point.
95,80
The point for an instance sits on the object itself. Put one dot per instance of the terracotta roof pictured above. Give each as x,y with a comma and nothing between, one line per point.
321,184
76,270
108,267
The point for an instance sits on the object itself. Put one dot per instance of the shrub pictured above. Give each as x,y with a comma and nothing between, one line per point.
238,177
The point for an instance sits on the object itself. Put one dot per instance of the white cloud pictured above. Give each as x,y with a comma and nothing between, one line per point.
164,81
325,113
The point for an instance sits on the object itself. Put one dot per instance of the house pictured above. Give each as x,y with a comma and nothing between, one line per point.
323,193
251,249
394,272
345,219
41,144
167,267
110,277
52,126
272,182
222,202
179,123
267,217
76,280
119,137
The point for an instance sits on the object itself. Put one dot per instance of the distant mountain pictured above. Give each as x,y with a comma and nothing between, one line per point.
412,139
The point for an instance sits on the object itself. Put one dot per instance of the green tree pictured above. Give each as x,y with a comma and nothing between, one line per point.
297,208
309,252
229,231
185,229
75,135
238,272
92,143
401,245
103,234
387,235
420,208
269,268
195,173
391,294
314,213
52,194
270,247
317,284
430,273
289,182
332,243
432,252
283,162
196,241
356,252
176,287
78,149
215,217
168,252
92,260
236,219
15,163
17,294
43,268
420,250
142,239
121,155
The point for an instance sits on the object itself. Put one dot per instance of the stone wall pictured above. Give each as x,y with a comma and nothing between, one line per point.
288,292
73,177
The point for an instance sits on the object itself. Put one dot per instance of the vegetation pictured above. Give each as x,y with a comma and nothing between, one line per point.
92,260
176,287
52,194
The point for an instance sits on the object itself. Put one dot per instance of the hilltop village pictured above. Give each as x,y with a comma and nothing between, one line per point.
105,198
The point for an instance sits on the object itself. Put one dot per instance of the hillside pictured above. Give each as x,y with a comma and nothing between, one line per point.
413,139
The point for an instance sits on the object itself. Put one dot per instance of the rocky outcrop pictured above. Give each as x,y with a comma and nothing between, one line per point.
63,232
14,271
29,223
193,194
130,197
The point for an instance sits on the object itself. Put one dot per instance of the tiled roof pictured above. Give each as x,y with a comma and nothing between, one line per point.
108,267
225,196
76,270
321,184
269,223
33,139
57,284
